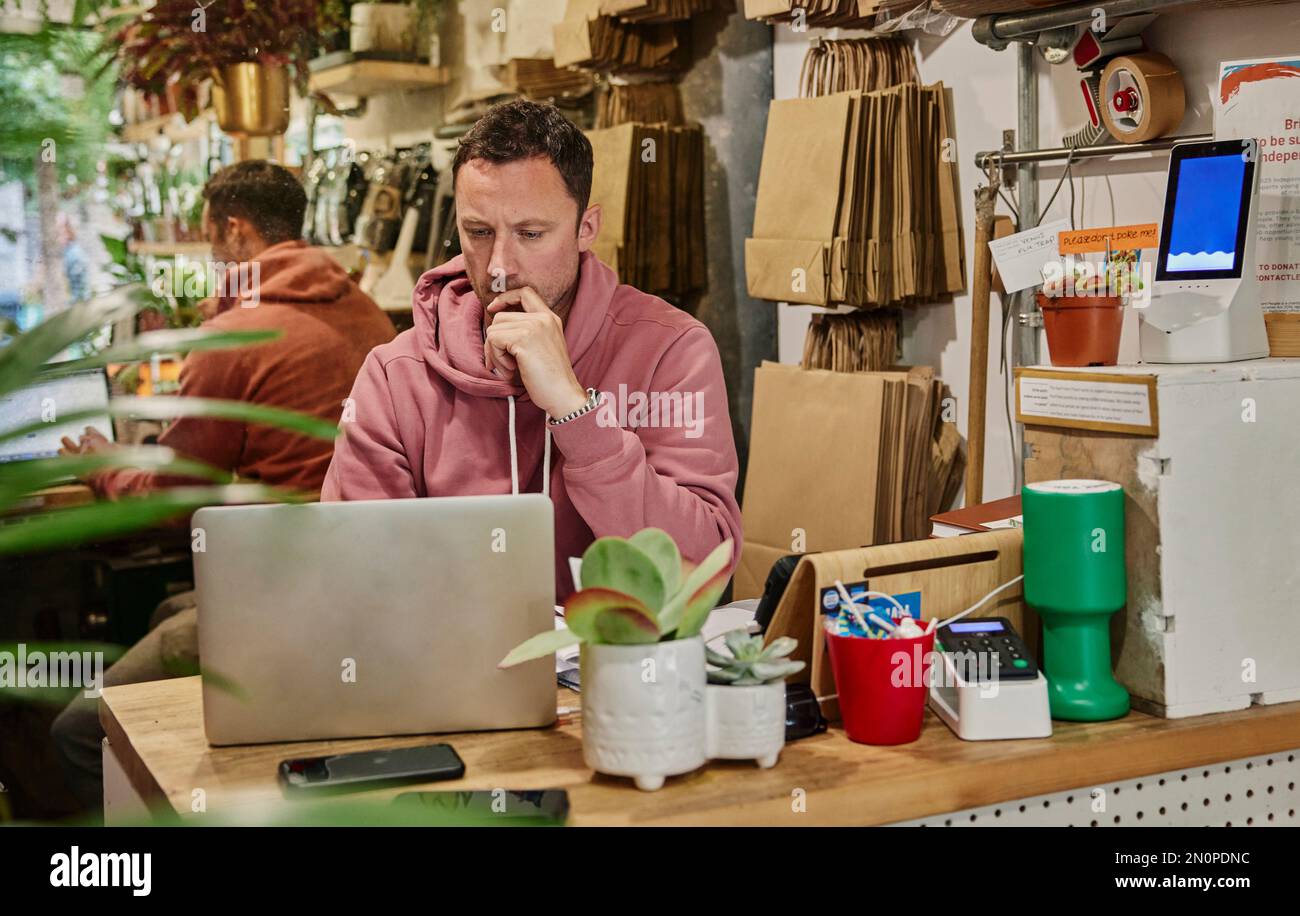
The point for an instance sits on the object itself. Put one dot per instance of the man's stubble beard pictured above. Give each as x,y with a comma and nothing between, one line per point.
558,301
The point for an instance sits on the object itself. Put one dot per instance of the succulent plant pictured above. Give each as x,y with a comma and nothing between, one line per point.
750,663
635,590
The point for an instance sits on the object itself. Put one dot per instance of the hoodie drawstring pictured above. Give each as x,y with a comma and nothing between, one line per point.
514,456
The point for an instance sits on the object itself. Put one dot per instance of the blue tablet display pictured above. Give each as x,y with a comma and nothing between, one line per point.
1207,213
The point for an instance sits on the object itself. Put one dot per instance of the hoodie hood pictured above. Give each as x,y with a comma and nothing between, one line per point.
293,273
448,321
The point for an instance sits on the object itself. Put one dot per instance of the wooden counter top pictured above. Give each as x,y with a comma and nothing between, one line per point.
156,730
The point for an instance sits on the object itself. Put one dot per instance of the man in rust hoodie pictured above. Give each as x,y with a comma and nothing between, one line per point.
276,281
253,217
531,369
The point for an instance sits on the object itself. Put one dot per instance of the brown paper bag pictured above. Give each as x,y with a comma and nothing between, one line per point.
809,421
612,152
799,198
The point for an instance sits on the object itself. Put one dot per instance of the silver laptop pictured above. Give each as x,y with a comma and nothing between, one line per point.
64,394
384,617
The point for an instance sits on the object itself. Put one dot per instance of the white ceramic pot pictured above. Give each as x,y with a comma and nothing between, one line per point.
382,27
643,709
746,723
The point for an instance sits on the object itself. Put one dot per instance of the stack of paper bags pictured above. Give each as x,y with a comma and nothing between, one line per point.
655,10
840,460
850,13
539,78
857,201
587,38
857,342
649,181
649,103
867,64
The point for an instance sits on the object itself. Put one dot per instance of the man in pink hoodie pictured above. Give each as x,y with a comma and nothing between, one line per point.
531,369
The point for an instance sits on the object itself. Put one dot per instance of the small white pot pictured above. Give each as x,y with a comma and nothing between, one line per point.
746,723
643,710
382,27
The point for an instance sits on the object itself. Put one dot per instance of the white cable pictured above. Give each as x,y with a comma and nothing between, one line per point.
978,604
514,456
546,461
514,451
890,598
853,607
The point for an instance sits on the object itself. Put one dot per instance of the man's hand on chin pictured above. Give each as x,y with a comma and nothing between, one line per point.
530,343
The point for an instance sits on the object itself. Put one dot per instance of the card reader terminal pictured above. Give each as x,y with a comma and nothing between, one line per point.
988,686
987,648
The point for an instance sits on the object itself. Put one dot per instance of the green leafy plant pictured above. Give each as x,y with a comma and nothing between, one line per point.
750,663
635,590
176,311
24,362
428,15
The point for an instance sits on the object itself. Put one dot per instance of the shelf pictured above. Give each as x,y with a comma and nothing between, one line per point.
347,256
364,78
169,249
172,126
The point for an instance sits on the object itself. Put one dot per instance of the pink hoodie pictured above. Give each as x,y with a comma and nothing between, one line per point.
432,420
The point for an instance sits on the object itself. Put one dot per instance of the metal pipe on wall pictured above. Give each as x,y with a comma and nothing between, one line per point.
986,158
996,31
1024,348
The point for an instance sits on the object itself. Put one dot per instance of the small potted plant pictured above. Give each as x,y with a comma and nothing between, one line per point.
1084,319
745,699
407,30
638,618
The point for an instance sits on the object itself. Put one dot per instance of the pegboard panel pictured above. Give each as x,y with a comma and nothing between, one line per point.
1251,792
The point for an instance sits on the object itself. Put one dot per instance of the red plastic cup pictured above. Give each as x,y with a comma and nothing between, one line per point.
881,685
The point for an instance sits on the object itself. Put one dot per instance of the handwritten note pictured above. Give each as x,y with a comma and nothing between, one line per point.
1021,257
1110,238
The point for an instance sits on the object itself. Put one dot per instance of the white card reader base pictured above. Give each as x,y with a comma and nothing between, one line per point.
975,712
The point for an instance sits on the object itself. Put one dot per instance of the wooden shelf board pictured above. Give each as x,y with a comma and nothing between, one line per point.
374,77
172,126
348,256
169,249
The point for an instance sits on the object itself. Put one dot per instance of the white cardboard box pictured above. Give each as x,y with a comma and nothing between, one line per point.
1212,526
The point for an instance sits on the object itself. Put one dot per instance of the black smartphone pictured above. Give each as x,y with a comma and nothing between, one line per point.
370,769
488,807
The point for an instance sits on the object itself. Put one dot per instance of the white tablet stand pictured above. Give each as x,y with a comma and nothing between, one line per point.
1205,306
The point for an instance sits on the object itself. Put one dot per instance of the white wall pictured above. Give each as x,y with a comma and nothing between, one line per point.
984,90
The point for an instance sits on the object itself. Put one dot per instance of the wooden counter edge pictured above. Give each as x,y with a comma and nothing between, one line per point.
141,779
1080,759
1258,731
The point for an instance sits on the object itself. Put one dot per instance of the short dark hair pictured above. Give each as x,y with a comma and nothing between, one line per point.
523,129
265,194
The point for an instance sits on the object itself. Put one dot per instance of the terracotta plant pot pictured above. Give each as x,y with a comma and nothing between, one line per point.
1082,330
251,99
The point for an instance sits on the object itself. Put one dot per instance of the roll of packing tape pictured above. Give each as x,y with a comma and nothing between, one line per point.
1142,97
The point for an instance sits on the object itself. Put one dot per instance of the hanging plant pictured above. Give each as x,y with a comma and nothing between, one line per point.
178,44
